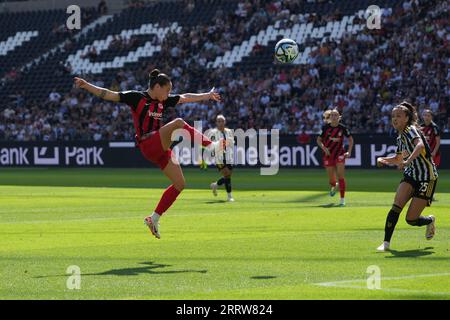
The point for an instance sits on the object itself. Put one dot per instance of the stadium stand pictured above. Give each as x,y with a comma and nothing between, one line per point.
229,45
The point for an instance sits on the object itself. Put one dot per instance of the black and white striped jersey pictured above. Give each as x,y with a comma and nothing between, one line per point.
227,156
422,168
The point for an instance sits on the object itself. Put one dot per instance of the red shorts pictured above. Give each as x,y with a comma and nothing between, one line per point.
152,150
437,160
331,162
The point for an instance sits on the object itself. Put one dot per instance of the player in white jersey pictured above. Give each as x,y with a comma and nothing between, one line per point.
224,160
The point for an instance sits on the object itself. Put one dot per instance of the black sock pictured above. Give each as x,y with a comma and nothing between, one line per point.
220,181
423,221
228,184
391,222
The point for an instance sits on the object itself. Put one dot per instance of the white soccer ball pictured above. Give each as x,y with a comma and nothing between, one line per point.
286,50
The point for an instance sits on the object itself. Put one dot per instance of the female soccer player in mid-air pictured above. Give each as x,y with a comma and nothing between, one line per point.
331,141
224,160
152,136
419,174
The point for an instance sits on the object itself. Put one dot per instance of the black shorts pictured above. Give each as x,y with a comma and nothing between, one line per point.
422,189
223,165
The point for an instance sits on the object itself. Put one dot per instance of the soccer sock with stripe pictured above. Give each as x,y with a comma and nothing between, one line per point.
221,181
391,222
421,221
167,199
228,184
342,187
194,132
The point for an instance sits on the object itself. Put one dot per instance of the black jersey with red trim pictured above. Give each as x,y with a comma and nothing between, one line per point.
431,132
333,139
148,113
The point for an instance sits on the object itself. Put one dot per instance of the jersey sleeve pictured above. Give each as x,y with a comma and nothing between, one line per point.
211,134
437,132
346,132
172,101
413,134
232,135
131,98
322,132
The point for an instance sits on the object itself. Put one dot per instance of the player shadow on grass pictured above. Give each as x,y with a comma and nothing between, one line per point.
328,205
148,268
411,253
215,201
263,277
309,198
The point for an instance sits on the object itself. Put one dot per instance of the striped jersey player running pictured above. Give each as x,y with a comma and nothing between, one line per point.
419,174
224,159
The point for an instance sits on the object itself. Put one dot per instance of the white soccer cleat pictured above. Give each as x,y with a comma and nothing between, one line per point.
431,228
342,202
384,246
154,227
230,198
214,188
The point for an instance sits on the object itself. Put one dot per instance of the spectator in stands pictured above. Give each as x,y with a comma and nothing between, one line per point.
363,75
303,137
54,96
102,8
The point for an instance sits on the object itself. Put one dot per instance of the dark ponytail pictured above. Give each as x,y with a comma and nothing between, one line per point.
156,77
411,112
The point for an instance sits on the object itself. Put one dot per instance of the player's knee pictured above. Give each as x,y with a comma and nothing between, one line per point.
180,185
412,222
397,209
179,123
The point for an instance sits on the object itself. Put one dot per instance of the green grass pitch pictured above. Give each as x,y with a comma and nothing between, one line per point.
283,238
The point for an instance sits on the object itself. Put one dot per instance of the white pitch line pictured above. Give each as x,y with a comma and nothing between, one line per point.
392,290
344,283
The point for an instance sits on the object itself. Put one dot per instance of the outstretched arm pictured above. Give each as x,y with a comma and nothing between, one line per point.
196,97
103,93
394,160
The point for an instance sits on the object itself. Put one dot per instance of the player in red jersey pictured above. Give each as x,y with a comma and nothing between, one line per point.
331,141
153,137
432,133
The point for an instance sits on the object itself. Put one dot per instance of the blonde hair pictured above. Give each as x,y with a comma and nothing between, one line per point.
327,115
